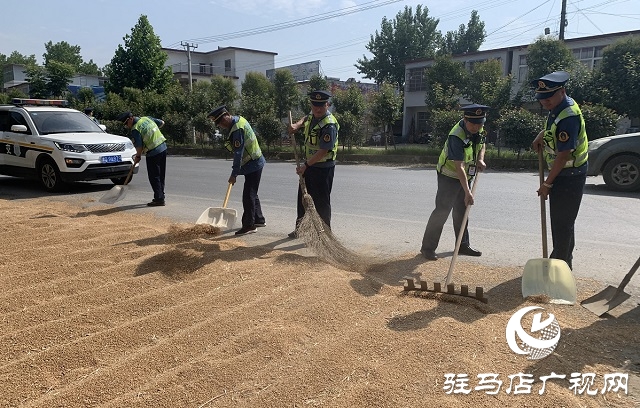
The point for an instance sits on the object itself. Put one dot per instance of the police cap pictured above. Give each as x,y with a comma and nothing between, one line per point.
319,98
475,113
217,113
124,116
547,85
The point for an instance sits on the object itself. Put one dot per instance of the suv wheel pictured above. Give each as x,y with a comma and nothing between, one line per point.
622,173
49,175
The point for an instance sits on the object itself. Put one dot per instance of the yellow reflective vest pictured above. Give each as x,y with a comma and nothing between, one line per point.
252,149
580,155
446,166
150,133
312,141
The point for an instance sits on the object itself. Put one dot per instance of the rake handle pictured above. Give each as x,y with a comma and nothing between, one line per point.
543,212
461,232
128,179
226,197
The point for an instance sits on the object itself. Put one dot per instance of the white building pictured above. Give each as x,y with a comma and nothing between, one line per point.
230,62
513,60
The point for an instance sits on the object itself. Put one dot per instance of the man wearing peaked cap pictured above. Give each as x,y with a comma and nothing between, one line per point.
146,136
248,161
217,113
461,156
564,145
319,98
320,130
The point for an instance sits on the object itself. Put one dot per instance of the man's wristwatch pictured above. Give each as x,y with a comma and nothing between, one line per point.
547,185
305,164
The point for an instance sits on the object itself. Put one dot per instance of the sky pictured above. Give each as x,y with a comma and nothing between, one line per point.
334,32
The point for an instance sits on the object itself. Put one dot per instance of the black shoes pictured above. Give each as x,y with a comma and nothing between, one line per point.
246,230
156,203
430,254
467,250
293,235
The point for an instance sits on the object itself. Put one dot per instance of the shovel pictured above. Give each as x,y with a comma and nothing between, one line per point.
117,193
219,217
602,302
545,276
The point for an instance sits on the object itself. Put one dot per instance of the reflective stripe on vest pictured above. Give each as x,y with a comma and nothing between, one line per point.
151,135
447,167
312,143
252,149
580,154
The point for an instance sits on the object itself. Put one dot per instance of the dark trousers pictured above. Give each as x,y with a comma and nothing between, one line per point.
156,170
250,202
450,196
564,203
319,181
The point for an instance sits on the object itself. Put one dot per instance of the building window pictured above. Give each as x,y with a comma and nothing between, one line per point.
227,65
591,57
422,122
523,69
203,68
416,80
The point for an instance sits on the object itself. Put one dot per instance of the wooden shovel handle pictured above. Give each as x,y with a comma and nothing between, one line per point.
226,197
543,212
628,276
128,179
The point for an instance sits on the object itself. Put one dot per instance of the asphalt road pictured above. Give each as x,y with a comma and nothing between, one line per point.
383,211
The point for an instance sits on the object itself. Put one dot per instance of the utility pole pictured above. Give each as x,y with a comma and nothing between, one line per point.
563,19
189,47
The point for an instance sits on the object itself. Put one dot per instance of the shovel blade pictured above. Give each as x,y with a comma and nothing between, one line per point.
218,217
116,194
602,302
550,277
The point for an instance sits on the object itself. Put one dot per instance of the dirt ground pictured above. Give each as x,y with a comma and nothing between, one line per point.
99,308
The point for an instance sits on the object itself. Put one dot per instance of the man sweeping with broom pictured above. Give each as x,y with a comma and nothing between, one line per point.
320,130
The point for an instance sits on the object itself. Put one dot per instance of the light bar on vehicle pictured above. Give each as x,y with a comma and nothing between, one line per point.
40,102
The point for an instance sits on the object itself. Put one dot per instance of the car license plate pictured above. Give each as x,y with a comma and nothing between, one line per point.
111,159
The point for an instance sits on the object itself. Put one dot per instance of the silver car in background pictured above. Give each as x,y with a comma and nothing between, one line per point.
617,158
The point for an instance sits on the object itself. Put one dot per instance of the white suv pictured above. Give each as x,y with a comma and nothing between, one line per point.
42,139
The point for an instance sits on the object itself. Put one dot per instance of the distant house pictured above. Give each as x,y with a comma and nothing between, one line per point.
15,78
513,60
230,62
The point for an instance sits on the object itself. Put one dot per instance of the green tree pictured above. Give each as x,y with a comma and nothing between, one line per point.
547,55
442,121
256,97
59,75
518,128
62,52
448,73
37,78
618,77
599,120
386,109
466,39
140,62
89,68
349,109
487,86
405,38
285,92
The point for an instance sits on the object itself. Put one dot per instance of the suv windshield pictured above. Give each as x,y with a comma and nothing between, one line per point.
63,122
